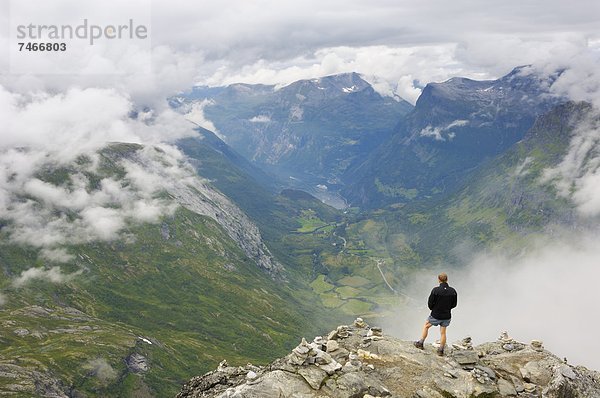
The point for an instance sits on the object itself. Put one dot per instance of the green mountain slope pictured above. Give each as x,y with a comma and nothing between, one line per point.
502,205
312,238
139,314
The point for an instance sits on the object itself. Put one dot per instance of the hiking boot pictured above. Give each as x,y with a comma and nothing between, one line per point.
419,345
440,352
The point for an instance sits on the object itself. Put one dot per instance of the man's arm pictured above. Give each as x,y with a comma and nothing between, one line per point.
454,299
431,300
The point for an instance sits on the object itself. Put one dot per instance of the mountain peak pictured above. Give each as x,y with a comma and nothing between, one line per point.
359,361
331,85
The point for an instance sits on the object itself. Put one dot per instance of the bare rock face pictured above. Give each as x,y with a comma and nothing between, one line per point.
19,380
199,196
349,363
137,363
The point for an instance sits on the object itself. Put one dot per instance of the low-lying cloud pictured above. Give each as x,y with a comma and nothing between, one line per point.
437,132
101,369
549,294
53,275
577,176
49,214
82,120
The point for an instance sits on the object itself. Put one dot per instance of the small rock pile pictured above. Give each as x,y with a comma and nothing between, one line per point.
508,343
314,354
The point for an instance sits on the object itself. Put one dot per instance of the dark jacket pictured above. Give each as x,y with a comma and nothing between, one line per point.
441,300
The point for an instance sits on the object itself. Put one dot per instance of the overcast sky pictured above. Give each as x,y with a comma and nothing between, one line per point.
401,45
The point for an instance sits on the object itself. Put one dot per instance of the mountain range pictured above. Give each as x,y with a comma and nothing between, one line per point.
166,259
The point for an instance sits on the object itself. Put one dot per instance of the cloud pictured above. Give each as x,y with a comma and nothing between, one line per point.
101,369
543,294
436,132
81,120
260,119
46,214
196,115
577,176
57,255
53,275
277,43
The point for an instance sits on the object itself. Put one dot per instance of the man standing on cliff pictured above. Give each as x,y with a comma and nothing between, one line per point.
441,300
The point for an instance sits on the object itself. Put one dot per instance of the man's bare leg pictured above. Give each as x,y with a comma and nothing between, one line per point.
442,337
419,344
425,330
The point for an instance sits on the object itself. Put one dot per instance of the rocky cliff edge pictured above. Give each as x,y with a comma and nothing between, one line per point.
359,361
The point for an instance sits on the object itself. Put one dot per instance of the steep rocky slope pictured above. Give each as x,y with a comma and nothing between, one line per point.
359,361
310,129
455,126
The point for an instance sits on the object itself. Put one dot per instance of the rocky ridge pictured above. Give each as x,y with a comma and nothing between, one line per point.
359,361
198,195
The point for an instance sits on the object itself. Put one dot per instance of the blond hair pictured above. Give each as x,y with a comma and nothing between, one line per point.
443,277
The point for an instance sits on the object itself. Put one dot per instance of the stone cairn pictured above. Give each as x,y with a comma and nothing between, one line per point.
314,354
328,353
464,344
537,345
508,343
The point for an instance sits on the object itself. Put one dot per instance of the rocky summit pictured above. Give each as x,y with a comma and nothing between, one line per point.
360,361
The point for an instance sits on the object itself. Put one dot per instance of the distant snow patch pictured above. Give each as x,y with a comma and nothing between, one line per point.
145,340
350,89
322,187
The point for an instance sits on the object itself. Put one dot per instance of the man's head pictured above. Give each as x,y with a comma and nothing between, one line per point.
443,278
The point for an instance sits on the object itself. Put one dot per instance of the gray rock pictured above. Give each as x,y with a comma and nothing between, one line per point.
428,392
536,372
137,363
530,387
360,323
490,373
566,371
21,332
357,385
506,388
465,357
275,384
313,375
517,383
484,390
331,367
407,372
508,346
332,345
537,345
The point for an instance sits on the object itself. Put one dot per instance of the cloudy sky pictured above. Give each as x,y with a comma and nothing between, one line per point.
402,45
